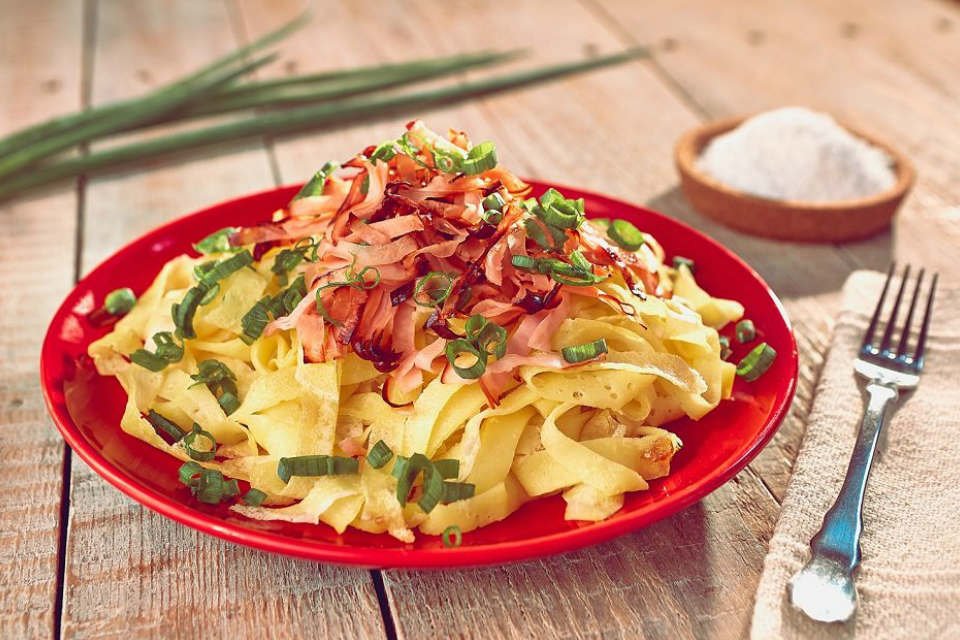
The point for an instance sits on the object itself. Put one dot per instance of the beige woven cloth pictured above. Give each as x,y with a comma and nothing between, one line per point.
909,579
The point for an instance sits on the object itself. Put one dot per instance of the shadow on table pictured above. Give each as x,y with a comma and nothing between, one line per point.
792,269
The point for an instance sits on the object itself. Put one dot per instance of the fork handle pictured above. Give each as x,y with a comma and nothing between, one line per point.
839,536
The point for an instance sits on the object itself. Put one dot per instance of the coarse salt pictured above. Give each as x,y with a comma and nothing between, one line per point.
794,153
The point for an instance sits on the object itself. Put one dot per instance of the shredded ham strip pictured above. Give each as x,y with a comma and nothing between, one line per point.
379,226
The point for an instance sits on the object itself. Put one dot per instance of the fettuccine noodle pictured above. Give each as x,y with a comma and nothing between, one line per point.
330,333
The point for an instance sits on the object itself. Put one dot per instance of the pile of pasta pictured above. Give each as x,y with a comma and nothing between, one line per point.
591,431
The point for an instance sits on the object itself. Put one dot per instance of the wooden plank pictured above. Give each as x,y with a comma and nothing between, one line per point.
571,131
867,63
857,61
129,571
40,76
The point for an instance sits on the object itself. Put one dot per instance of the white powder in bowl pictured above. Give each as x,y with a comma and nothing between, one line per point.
797,154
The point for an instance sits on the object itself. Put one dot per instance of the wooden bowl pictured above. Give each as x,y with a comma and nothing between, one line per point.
787,219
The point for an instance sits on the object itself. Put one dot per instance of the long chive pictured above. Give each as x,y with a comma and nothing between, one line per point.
146,111
305,91
296,120
65,124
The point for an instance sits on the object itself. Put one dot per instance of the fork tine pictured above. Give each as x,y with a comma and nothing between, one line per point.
892,322
922,339
872,327
905,336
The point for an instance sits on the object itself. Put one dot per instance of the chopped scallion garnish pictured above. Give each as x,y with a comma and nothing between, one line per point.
207,485
493,202
452,537
203,455
745,331
254,497
725,350
757,362
584,352
466,359
433,289
456,491
379,455
168,351
480,158
221,382
680,261
163,425
314,186
120,301
316,465
217,242
625,234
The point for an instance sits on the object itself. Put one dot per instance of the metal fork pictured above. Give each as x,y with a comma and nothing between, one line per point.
824,588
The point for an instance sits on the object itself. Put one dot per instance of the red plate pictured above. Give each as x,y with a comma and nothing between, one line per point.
87,408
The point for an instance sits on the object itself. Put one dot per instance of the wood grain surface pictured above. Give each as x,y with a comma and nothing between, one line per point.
40,50
126,571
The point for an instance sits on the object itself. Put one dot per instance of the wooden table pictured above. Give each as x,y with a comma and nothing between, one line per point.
81,560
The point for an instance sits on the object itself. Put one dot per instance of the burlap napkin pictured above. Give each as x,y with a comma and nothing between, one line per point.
909,580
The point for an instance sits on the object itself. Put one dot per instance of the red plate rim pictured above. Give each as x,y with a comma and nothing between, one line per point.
435,558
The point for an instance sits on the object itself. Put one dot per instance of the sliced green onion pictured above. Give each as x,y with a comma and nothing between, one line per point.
256,320
210,295
445,161
680,261
224,268
168,351
757,362
491,339
480,158
457,348
217,242
379,455
433,289
493,202
284,261
184,311
197,454
187,472
211,487
452,537
314,186
433,490
745,331
603,223
161,425
725,350
492,216
254,497
546,236
625,234
229,402
584,352
120,301
456,491
212,372
384,152
406,471
526,263
316,465
207,485
447,468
